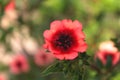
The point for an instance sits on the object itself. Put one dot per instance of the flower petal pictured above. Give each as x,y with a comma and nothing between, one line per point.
80,34
47,34
13,68
100,55
10,6
71,56
116,58
59,56
83,47
68,24
77,24
55,25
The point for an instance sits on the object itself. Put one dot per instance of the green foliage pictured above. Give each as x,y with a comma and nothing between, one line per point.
117,42
54,68
100,19
72,69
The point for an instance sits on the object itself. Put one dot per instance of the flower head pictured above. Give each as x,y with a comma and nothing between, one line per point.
108,49
65,39
43,58
19,64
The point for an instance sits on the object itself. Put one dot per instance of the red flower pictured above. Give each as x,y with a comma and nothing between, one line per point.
65,39
102,55
19,64
10,5
108,49
43,58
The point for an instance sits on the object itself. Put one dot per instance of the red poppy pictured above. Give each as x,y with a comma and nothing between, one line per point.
19,64
10,5
65,39
43,58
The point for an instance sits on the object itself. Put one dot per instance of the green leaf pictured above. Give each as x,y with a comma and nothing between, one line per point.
84,56
51,69
99,63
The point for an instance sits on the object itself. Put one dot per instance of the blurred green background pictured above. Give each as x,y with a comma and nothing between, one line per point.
100,19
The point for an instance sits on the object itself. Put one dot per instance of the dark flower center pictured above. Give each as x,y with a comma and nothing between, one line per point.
64,40
19,64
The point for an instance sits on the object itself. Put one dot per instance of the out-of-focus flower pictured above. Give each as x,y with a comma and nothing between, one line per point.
65,39
108,49
19,64
4,57
107,46
21,42
16,42
10,15
3,76
30,45
43,58
10,5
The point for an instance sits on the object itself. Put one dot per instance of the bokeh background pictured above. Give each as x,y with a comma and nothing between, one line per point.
21,29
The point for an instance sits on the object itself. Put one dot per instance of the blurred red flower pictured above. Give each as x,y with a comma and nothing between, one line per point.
19,64
3,77
10,5
65,39
108,49
43,58
102,55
